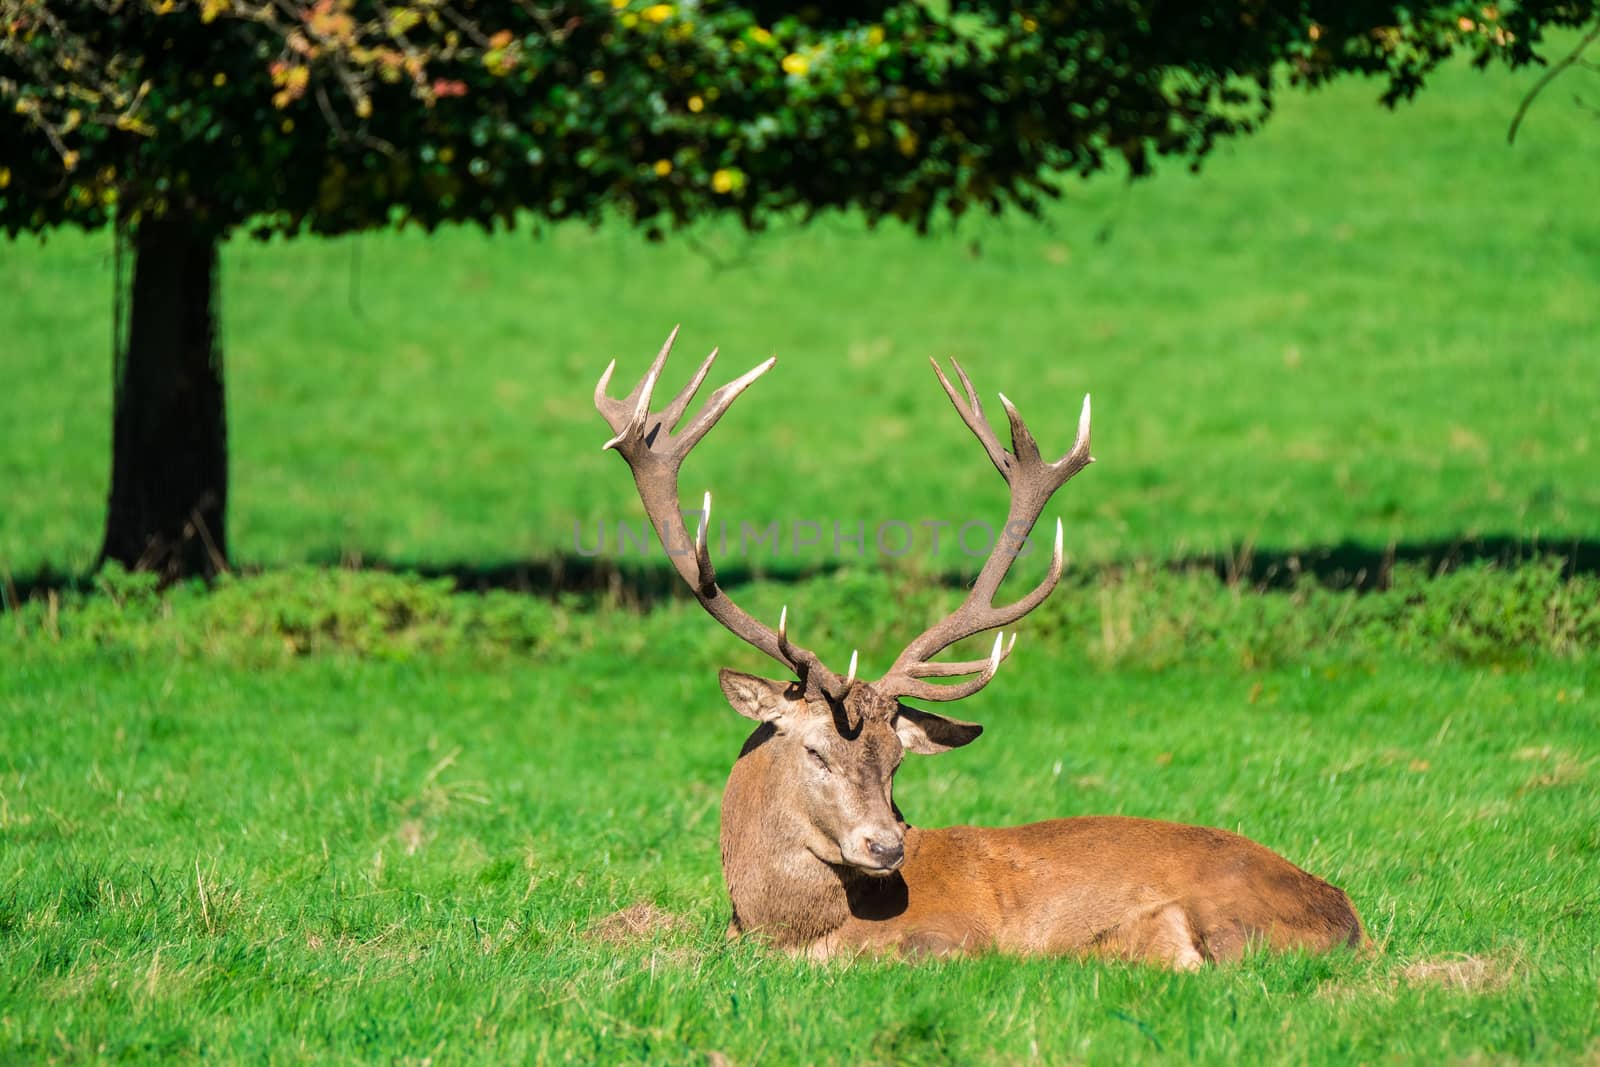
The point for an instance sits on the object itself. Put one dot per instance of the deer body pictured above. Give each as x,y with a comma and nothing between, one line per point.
1111,885
815,853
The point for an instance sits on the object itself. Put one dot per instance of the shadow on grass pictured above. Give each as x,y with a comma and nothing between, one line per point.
1347,565
637,585
1351,565
640,585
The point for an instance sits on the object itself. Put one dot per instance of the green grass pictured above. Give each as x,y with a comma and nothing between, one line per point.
391,841
360,817
1357,325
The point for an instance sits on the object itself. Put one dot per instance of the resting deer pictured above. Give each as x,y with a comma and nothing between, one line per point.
816,855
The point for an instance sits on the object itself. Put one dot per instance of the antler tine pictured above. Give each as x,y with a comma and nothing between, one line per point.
971,413
783,631
1023,446
639,398
647,385
627,416
916,687
966,383
798,658
600,398
674,411
956,670
718,403
702,552
1058,564
1078,456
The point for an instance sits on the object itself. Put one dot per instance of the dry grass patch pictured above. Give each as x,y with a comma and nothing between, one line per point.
138,981
1560,767
638,924
1464,973
1459,972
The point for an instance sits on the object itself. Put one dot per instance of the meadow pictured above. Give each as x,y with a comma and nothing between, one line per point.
1334,586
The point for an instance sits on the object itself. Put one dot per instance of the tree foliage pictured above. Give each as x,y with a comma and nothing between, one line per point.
338,115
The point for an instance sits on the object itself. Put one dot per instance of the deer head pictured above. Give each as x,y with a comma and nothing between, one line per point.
833,760
831,743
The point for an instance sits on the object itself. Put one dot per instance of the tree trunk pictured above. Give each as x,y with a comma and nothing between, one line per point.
169,443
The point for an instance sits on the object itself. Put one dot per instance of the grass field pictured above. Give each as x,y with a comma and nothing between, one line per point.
361,817
349,816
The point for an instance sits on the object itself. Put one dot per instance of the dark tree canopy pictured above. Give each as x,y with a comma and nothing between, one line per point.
340,115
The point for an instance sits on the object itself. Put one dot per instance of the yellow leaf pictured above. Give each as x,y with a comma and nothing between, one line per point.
402,19
796,64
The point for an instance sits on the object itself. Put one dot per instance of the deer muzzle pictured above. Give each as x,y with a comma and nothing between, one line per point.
879,851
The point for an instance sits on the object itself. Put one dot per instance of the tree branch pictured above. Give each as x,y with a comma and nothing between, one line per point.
1571,58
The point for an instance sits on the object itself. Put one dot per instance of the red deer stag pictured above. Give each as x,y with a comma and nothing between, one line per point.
817,856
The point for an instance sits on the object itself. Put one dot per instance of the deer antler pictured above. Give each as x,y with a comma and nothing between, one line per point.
1033,481
655,448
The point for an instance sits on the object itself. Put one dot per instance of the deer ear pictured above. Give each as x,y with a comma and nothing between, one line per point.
761,699
928,734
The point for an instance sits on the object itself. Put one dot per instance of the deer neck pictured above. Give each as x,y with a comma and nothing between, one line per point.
778,887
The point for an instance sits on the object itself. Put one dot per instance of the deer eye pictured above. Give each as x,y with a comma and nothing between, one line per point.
816,757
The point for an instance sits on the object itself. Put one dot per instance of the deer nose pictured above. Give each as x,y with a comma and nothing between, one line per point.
887,853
